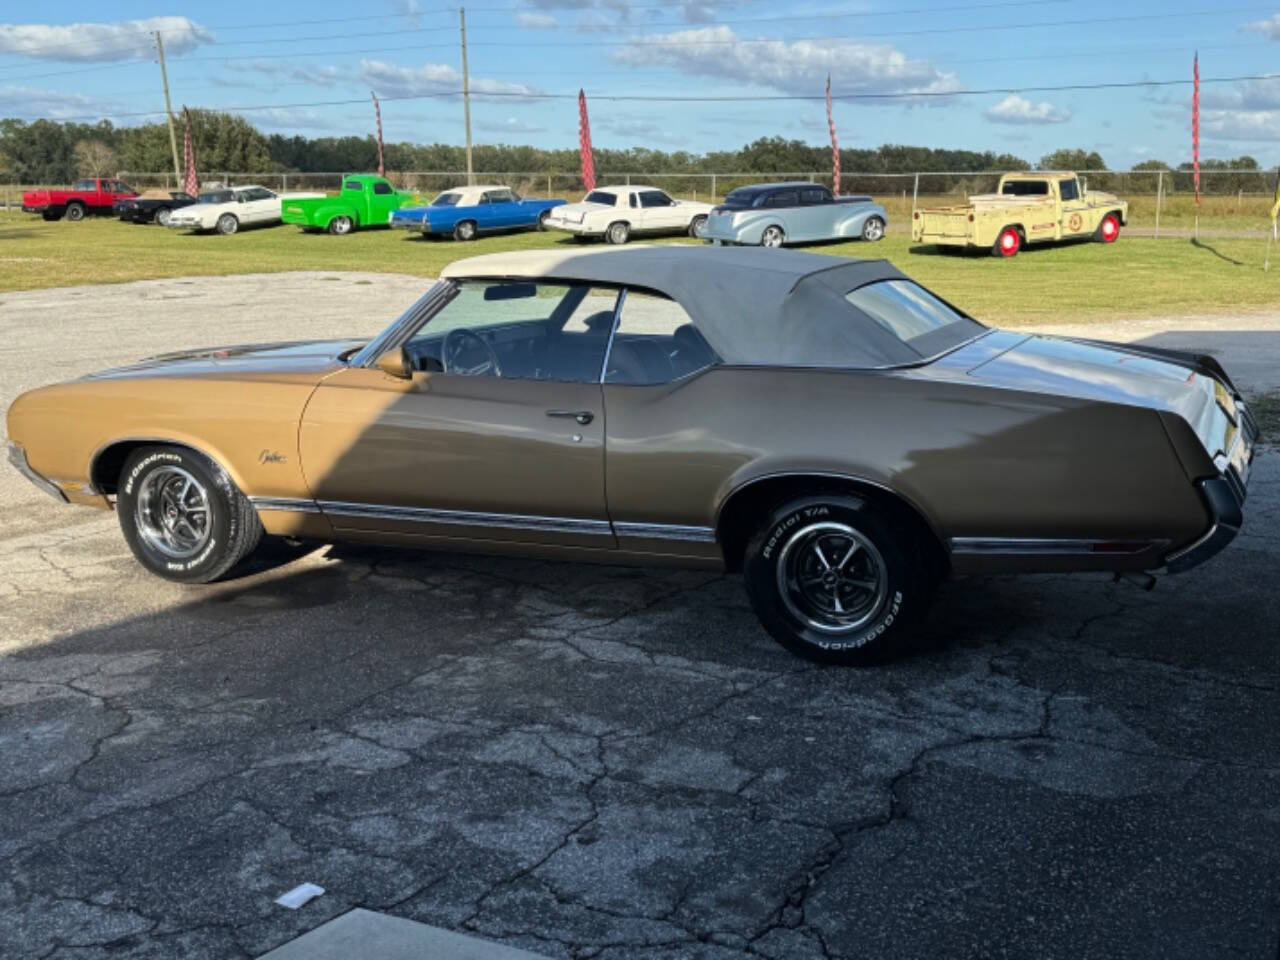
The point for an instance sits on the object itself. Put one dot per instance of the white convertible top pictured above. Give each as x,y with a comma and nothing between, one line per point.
753,305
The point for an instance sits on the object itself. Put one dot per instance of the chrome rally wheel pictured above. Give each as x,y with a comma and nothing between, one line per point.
340,226
831,577
772,237
873,229
172,512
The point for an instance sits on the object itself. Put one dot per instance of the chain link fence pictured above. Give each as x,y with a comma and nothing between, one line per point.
1158,200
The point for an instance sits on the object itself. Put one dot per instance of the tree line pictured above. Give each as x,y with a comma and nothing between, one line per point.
47,151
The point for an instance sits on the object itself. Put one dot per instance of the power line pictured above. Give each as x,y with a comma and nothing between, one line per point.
735,98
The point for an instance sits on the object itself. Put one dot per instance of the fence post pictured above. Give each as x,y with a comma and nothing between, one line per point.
1159,199
548,185
628,179
284,182
713,188
915,193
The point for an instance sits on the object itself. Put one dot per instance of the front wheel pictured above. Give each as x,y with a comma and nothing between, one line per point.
228,224
75,211
873,229
464,231
182,516
1108,229
772,237
162,216
340,226
834,580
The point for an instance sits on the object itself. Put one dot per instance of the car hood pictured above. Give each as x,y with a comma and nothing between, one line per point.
257,360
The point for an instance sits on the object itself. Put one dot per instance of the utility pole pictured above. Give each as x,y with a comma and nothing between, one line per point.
466,94
168,112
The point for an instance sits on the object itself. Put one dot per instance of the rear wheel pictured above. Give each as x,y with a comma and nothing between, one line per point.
542,220
772,237
162,216
75,211
618,233
833,579
466,230
873,229
340,226
228,224
1108,230
182,516
1008,243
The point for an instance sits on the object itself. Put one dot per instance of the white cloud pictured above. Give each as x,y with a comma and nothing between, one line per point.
799,67
536,21
390,80
513,125
126,40
1240,125
1018,110
1248,95
31,103
1269,28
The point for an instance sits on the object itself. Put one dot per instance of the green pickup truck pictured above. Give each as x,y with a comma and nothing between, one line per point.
365,200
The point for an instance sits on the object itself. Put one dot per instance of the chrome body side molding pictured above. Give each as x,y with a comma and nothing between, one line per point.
507,521
1034,547
665,531
285,503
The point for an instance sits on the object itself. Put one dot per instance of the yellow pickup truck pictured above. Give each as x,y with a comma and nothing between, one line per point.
1027,207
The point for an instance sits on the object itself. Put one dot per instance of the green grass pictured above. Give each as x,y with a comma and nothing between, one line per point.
1084,281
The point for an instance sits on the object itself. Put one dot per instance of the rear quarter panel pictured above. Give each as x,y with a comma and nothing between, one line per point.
976,461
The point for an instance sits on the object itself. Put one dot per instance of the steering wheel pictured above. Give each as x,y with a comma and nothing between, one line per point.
455,342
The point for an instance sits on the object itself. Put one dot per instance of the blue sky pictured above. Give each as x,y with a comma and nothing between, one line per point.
86,60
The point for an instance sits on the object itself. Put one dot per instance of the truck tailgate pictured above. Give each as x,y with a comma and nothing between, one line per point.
945,223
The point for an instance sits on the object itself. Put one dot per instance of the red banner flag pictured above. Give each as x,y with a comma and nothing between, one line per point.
190,179
584,144
1195,126
835,146
377,112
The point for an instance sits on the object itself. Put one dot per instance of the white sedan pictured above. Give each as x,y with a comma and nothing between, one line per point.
616,213
228,210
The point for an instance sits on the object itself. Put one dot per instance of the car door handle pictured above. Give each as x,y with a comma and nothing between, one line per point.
582,416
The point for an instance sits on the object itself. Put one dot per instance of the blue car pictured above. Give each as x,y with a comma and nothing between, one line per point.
466,212
773,214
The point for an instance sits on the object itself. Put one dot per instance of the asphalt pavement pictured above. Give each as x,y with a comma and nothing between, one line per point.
604,762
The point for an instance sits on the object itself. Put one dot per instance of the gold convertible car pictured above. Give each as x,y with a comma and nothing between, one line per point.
828,427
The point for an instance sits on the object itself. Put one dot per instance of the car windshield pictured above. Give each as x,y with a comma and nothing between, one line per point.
446,200
601,196
922,322
218,196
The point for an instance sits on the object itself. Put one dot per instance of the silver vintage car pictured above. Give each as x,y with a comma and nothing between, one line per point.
773,214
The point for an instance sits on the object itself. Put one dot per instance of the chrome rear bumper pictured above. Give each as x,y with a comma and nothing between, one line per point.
18,457
1223,496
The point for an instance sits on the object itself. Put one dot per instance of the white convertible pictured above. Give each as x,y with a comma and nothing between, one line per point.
228,210
616,213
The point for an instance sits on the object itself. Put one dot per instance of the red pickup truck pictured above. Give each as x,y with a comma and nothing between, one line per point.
87,196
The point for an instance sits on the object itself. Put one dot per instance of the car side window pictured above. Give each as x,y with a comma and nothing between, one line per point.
784,198
1069,189
656,342
814,195
85,185
518,330
382,188
655,198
